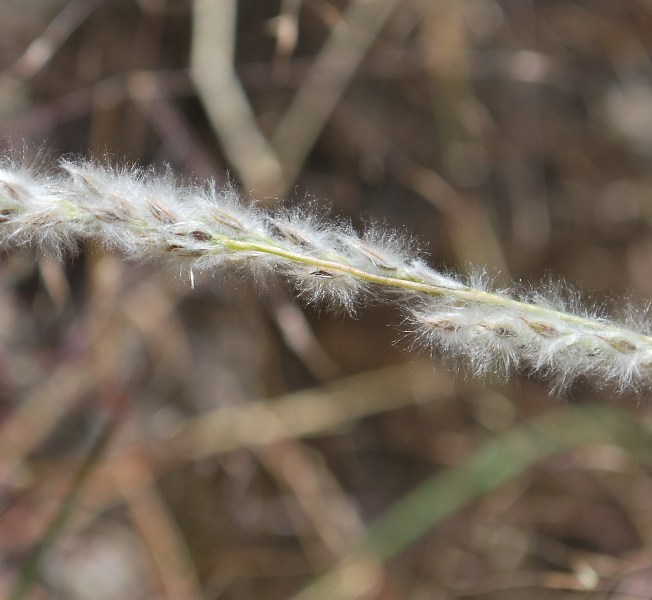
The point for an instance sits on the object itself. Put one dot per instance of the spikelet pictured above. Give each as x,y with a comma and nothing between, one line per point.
143,214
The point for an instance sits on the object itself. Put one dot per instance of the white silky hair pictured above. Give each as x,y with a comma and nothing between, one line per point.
143,214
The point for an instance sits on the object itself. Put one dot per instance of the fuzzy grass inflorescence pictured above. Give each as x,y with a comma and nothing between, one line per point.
143,214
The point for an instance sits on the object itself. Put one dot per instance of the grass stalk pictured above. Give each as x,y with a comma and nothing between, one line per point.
146,215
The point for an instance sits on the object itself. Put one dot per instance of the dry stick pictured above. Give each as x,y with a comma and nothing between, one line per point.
145,215
33,419
327,80
274,167
225,101
157,527
304,414
39,53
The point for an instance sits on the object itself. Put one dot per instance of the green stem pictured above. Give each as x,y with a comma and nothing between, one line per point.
32,567
463,296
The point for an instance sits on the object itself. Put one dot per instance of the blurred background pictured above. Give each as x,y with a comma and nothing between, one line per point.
226,442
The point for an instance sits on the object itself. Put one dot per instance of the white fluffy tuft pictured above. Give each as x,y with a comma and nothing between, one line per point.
548,334
144,214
